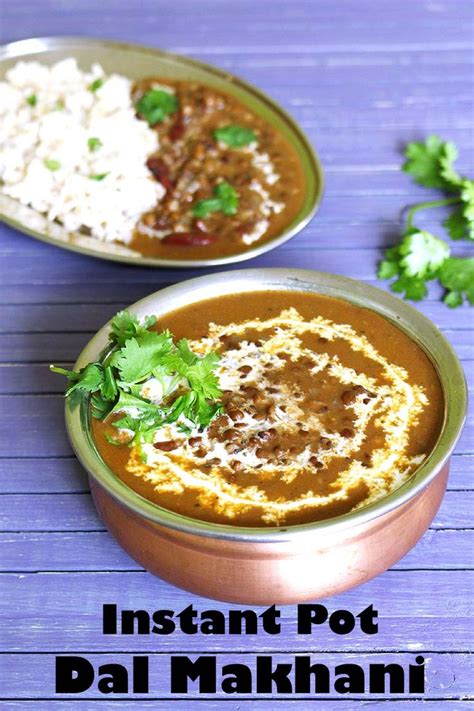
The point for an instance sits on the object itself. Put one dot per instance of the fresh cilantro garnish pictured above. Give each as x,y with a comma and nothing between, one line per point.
32,99
414,261
225,199
430,163
125,325
98,176
94,144
138,358
96,84
234,136
189,386
51,164
156,105
420,256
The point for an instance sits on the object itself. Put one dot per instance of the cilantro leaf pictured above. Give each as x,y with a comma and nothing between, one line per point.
156,105
94,143
88,379
32,99
115,385
456,224
125,325
467,197
430,163
51,164
457,275
412,288
225,199
447,159
234,136
421,254
94,380
108,387
138,358
228,197
415,261
127,401
100,407
98,176
96,85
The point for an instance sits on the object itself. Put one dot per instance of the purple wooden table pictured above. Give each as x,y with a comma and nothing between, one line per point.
362,78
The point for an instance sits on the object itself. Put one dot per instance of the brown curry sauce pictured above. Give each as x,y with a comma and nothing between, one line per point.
190,163
320,393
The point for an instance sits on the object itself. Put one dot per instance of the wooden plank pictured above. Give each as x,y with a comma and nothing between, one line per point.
212,705
38,679
336,231
66,268
62,611
89,551
76,512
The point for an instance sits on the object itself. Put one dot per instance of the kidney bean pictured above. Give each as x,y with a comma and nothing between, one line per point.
251,392
235,414
346,432
160,172
195,441
189,239
221,421
167,446
231,435
232,447
245,369
178,128
316,463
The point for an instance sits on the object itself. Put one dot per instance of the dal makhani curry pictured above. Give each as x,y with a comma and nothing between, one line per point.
262,409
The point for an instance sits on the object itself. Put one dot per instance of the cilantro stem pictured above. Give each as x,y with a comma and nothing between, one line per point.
60,371
426,205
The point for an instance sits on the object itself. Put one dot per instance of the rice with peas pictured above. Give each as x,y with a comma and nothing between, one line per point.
72,148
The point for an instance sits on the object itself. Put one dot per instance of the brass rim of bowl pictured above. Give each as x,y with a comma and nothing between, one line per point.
314,175
405,317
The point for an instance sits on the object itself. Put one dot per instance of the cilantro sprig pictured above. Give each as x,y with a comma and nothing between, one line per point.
189,385
224,199
155,105
420,256
234,135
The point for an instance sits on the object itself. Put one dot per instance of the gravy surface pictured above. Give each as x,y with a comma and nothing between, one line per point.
326,408
266,175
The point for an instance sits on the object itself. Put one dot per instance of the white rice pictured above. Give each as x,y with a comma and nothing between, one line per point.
56,130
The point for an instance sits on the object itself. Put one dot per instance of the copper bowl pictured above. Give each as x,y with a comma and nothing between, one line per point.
278,564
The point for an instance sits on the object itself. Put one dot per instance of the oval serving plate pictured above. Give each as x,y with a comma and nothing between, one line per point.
135,61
